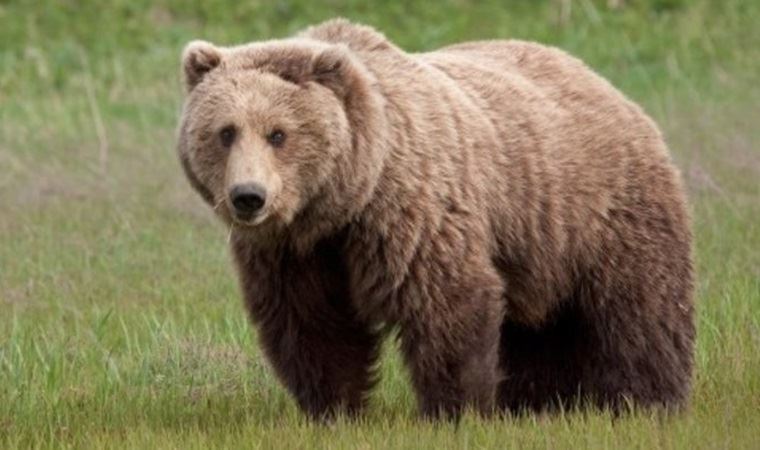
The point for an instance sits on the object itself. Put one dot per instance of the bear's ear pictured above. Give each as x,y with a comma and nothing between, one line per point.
335,68
198,59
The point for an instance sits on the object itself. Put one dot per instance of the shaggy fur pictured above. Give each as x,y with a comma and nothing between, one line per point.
515,217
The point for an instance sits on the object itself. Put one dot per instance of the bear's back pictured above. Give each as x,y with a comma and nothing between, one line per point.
548,146
577,132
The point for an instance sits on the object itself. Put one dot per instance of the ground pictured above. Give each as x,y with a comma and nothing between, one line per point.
120,320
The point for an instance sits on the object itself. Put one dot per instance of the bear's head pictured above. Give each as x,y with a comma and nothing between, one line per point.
281,136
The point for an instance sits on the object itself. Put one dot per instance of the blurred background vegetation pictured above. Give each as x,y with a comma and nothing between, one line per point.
658,40
120,322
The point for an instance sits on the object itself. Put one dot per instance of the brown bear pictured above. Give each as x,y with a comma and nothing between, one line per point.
515,218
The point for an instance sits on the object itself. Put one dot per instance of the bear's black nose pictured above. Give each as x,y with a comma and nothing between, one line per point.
248,199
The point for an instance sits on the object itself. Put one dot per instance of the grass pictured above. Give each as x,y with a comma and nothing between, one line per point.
120,321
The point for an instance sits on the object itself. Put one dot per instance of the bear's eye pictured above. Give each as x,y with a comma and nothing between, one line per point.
276,138
227,135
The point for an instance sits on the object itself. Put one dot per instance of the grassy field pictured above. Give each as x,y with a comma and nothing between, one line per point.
120,320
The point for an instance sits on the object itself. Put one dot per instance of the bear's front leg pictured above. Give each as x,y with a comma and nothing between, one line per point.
450,334
308,329
326,362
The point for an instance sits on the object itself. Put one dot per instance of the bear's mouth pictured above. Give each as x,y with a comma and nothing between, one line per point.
251,221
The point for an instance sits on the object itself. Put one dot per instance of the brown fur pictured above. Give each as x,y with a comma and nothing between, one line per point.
514,216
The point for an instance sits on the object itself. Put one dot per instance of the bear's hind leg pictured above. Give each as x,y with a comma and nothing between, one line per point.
625,338
543,367
638,296
615,356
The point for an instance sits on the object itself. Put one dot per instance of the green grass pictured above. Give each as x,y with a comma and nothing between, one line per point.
120,320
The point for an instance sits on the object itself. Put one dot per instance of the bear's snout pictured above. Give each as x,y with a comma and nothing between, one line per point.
247,199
